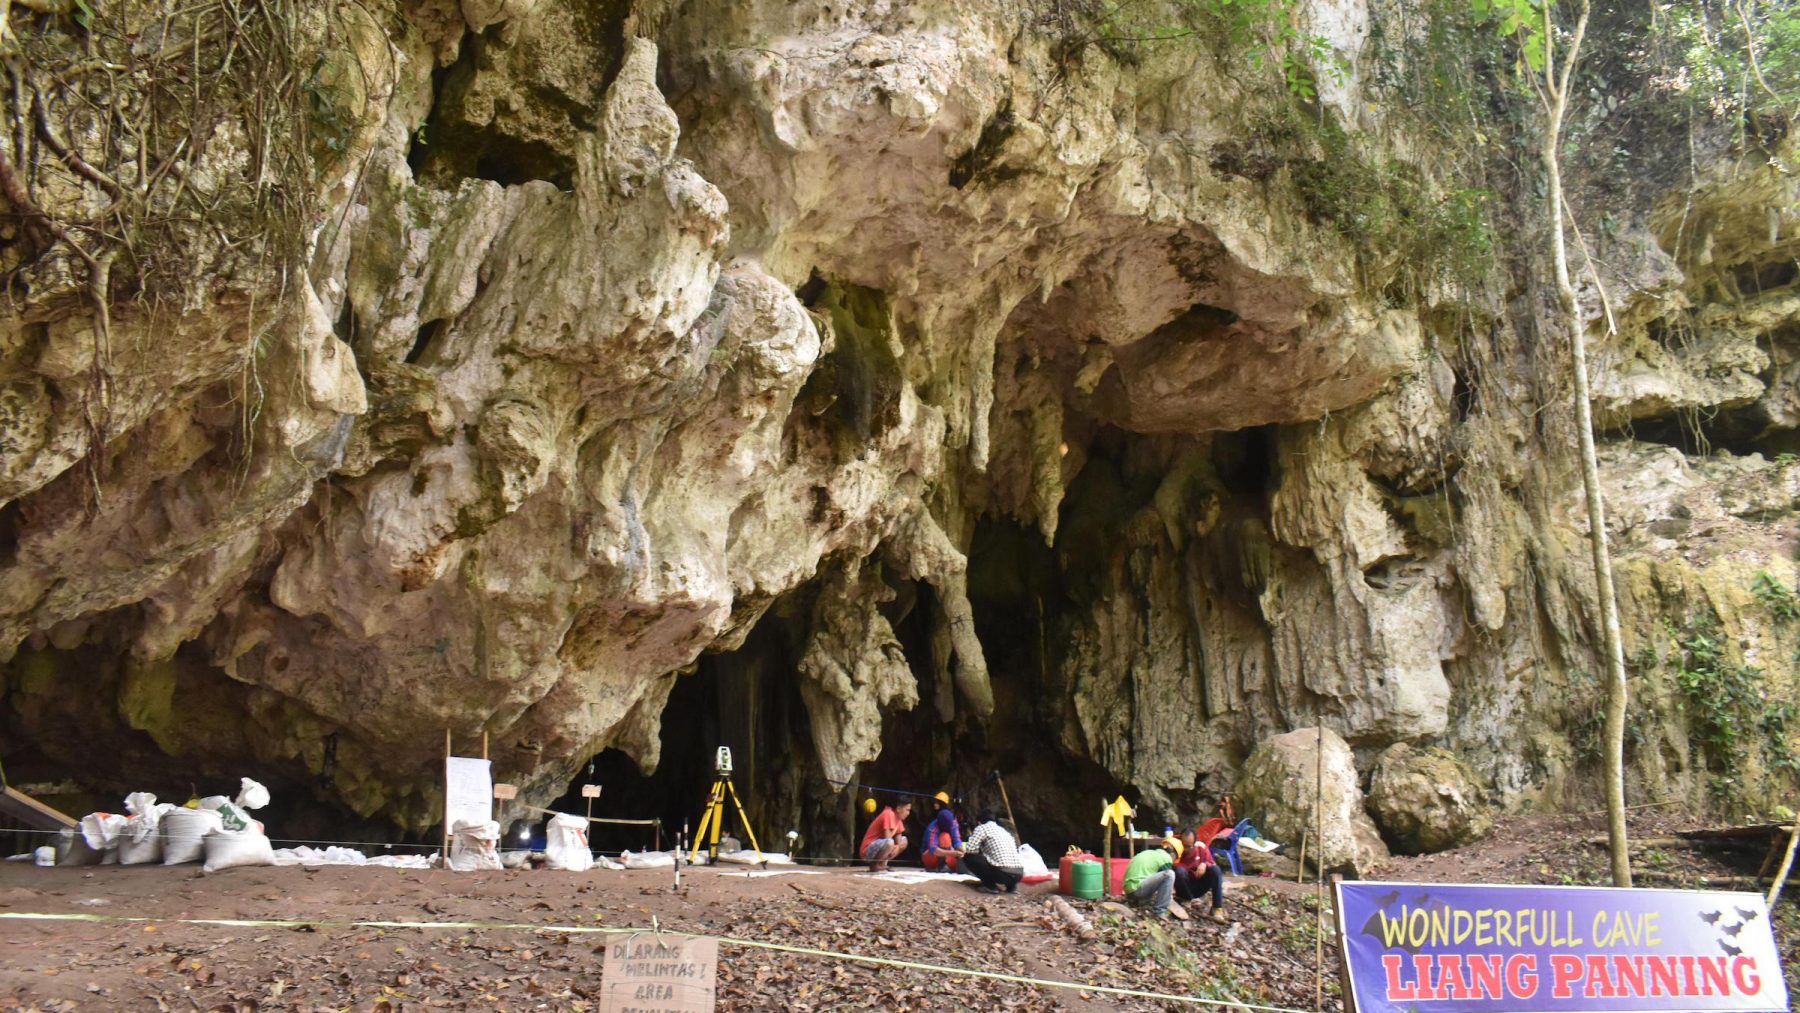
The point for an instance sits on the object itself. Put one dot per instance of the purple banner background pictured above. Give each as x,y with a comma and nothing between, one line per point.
1692,923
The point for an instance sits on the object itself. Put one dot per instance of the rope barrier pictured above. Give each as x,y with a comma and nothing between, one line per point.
875,787
475,926
434,848
592,819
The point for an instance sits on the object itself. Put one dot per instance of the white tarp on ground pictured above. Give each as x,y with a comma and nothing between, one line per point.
749,857
910,878
788,871
334,855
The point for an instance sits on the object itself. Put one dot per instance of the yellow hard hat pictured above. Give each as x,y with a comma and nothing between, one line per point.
868,805
1173,842
942,796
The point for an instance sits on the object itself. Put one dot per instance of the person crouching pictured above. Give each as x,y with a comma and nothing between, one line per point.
1150,877
886,837
992,856
943,837
1196,874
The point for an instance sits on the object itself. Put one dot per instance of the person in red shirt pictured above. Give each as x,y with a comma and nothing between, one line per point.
886,837
1196,873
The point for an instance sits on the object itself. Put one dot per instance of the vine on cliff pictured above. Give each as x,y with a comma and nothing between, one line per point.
161,154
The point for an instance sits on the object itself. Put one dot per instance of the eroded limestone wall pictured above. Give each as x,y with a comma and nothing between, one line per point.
613,326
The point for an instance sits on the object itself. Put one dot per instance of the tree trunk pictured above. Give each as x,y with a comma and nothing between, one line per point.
1556,96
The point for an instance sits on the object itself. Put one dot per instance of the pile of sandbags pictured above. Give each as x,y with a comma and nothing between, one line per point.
215,829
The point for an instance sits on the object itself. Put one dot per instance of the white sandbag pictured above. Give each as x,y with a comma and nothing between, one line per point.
515,859
141,851
749,857
233,819
211,802
231,850
473,846
184,834
566,844
1032,862
101,830
603,862
251,795
648,860
140,843
72,849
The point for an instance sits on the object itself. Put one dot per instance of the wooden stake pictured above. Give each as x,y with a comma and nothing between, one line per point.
1786,864
446,794
1106,865
484,754
1004,801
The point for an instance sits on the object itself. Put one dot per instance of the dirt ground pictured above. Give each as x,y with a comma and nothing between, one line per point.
320,962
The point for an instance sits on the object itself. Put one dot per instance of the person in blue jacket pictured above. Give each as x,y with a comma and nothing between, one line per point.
943,840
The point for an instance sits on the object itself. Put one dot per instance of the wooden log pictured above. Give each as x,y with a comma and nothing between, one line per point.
1683,879
30,811
1074,919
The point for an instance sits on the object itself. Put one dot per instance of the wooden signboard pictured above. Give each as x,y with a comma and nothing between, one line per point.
647,972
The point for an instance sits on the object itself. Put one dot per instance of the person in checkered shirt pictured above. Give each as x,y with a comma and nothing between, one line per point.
992,856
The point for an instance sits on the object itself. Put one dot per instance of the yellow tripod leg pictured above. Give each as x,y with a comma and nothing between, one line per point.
745,820
714,815
718,824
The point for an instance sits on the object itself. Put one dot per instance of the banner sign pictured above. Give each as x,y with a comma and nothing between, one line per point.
1424,947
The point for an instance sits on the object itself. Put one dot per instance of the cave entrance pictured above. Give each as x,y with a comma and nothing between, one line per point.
747,700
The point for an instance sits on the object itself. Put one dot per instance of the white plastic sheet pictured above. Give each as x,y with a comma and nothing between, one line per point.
1032,862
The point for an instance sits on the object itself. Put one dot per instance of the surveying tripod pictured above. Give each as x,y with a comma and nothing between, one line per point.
714,816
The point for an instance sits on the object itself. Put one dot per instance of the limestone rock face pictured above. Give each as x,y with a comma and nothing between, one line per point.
1304,782
1426,800
895,390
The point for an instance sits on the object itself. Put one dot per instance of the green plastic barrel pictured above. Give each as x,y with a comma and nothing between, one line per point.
1085,877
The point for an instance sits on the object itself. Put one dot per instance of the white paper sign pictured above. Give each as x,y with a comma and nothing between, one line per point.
648,973
468,790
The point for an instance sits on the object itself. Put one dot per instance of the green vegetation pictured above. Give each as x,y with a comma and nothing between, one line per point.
1776,596
1728,705
1263,33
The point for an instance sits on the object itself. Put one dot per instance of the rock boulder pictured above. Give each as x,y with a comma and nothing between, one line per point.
1279,784
1424,799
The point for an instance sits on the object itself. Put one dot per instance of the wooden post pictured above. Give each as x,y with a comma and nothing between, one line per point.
1106,866
484,754
1008,803
446,795
1786,864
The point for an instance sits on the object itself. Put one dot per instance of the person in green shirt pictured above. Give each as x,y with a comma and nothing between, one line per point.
1150,878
